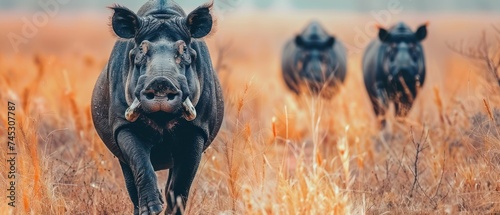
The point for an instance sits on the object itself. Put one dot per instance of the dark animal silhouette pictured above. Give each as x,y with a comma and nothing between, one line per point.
158,103
394,68
314,61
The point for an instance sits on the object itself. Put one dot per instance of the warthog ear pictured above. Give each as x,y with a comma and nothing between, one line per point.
199,22
299,41
421,32
125,23
384,35
330,41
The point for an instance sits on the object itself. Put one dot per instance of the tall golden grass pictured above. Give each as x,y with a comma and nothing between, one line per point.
276,153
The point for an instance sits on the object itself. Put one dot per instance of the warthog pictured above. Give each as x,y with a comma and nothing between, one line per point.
314,61
394,68
158,103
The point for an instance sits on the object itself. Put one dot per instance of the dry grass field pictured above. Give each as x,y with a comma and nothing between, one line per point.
276,153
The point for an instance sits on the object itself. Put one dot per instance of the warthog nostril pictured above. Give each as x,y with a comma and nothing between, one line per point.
150,95
171,96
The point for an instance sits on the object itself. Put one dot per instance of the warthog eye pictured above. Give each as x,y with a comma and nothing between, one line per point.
414,51
305,55
140,58
183,55
142,51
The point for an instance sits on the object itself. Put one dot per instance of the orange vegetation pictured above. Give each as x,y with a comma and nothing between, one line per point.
276,153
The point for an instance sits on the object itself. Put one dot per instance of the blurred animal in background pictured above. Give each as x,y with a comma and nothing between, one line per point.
314,61
158,103
394,69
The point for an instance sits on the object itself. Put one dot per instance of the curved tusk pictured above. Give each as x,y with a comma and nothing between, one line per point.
132,113
189,111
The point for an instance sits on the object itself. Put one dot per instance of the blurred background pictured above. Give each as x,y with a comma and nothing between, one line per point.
251,33
345,5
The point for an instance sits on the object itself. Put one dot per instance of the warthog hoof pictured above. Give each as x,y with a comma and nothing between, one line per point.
152,207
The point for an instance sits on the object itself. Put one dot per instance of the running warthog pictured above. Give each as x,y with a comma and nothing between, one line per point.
314,61
394,68
158,103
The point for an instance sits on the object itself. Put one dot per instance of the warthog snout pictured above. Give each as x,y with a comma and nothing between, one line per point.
160,94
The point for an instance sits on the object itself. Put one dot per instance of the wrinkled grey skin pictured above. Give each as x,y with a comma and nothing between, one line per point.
394,68
314,61
156,66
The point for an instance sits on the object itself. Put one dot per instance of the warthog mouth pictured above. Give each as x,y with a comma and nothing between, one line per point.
135,110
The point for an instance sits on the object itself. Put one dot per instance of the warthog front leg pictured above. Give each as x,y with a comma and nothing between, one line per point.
137,156
380,102
187,155
131,188
406,99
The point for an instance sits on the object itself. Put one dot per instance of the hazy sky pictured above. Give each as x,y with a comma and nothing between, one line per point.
346,5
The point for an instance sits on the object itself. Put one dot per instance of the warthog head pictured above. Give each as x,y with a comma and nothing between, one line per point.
403,53
161,77
315,63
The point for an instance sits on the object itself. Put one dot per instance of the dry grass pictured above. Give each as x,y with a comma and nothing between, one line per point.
276,154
